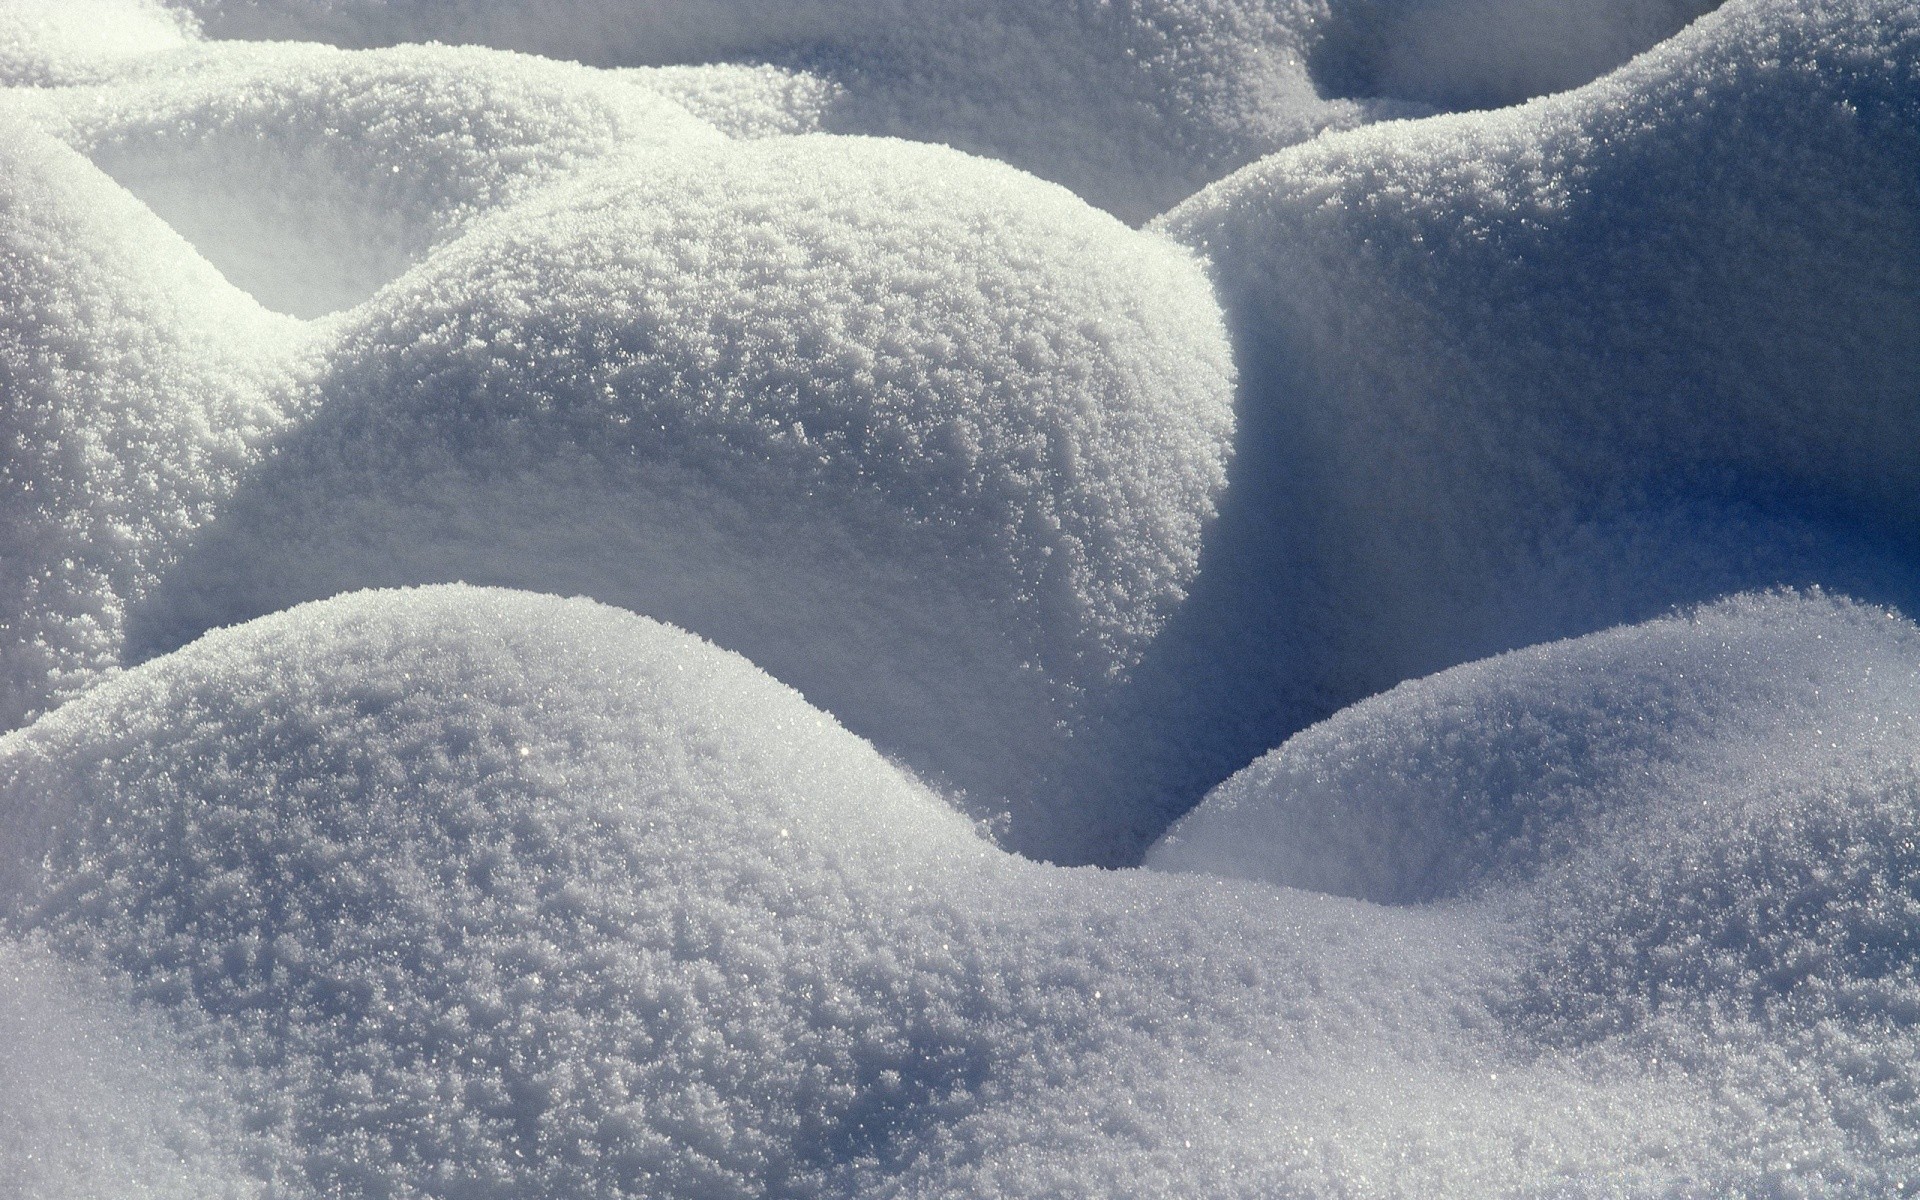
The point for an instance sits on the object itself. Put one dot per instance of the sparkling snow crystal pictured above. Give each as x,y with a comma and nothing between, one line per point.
671,599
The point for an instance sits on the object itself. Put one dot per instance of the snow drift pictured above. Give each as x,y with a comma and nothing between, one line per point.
1523,374
466,893
1702,829
477,892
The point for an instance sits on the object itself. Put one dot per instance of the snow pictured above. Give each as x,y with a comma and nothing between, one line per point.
52,42
1702,828
312,176
965,427
101,1101
471,890
137,383
1524,374
1133,107
1524,493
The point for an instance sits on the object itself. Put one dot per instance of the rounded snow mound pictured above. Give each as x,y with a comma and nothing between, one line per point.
312,176
1490,773
475,890
134,385
1520,375
921,435
1700,833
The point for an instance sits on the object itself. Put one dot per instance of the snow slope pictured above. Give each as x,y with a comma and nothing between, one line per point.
937,523
1703,829
478,892
1522,374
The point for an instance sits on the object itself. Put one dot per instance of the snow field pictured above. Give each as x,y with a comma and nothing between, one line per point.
936,522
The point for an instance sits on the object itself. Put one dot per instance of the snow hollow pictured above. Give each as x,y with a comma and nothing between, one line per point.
857,598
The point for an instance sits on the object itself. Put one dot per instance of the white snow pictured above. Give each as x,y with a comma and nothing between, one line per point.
312,176
478,891
102,1101
53,42
923,436
931,530
1133,107
1523,374
1702,830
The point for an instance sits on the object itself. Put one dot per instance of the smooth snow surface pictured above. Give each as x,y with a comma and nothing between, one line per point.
101,1101
82,41
931,530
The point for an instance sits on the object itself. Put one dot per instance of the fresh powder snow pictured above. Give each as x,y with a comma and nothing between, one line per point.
854,598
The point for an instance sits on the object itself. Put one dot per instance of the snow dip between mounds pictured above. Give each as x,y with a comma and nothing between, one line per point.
928,438
456,891
926,521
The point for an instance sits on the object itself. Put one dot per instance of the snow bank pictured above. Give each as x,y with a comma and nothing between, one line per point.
1701,830
311,176
136,383
1518,375
100,1103
471,891
921,435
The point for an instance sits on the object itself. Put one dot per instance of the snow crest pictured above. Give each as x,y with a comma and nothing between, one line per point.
924,521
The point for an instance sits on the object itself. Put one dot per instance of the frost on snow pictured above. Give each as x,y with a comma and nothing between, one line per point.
931,530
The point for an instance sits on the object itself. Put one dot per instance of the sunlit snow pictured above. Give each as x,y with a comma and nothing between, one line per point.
865,598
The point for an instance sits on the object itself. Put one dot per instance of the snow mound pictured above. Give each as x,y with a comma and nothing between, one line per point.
477,892
99,1103
135,383
311,176
1489,773
1519,375
59,42
921,435
1701,832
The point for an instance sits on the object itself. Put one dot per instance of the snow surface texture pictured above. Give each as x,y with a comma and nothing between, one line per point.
469,892
1132,106
102,1101
459,892
965,426
1707,826
1527,373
